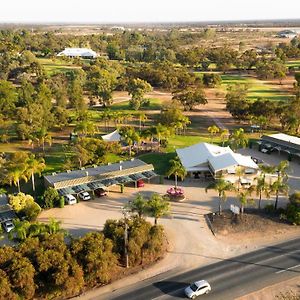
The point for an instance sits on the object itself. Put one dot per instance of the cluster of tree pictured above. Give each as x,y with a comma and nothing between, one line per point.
51,198
264,112
293,209
90,151
25,206
263,187
20,166
47,265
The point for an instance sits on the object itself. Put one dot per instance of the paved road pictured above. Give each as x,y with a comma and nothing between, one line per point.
229,278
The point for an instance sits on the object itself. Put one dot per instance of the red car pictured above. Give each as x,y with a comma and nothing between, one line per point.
100,192
140,183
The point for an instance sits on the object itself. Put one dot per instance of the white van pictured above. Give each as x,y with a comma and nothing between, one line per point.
70,199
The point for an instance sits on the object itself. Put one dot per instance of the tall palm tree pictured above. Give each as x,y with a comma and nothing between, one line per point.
213,130
243,197
238,139
130,136
142,118
176,169
279,187
239,172
221,186
157,207
34,166
224,134
262,187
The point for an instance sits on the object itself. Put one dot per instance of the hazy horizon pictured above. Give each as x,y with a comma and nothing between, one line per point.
155,11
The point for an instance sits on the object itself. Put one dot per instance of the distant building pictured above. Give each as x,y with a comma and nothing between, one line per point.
78,52
287,34
205,159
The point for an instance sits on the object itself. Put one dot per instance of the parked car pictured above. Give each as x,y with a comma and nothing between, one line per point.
8,225
140,183
197,288
84,196
100,192
70,199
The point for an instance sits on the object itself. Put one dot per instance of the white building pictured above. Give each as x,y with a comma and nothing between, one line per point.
78,52
207,159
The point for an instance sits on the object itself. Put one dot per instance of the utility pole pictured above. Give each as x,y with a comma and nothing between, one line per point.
125,214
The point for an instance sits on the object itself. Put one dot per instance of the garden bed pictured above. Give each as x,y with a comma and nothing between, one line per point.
253,220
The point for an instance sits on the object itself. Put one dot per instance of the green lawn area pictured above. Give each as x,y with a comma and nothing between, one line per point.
257,88
155,104
56,65
293,63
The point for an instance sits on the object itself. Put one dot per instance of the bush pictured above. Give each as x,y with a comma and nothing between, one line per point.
25,206
293,209
269,208
51,198
61,202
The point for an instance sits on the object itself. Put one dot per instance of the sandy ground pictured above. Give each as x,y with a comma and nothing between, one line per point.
288,287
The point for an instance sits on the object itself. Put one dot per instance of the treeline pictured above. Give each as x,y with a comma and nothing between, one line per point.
45,266
265,112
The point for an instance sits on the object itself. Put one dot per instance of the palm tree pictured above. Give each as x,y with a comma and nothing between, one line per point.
137,205
213,130
44,137
157,207
176,169
238,139
221,186
142,118
262,187
20,230
239,171
224,134
279,187
243,197
34,166
130,136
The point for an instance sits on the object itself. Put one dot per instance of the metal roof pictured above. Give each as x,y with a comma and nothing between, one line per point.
100,173
282,139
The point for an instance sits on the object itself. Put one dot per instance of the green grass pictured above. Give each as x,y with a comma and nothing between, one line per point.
293,63
56,65
155,104
257,88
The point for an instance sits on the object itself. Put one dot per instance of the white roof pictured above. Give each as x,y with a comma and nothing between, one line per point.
286,138
112,137
82,52
200,155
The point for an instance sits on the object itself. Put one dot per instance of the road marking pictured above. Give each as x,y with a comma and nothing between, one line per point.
290,268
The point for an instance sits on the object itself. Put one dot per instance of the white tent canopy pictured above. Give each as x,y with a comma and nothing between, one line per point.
78,52
112,137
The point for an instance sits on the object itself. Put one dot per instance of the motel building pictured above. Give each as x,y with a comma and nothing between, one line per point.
100,177
205,160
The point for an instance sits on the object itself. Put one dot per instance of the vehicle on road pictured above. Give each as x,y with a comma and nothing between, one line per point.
70,199
140,183
8,226
100,192
197,288
85,196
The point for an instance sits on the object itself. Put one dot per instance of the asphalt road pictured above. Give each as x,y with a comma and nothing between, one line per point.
229,278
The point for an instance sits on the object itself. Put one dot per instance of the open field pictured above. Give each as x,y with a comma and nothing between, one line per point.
53,66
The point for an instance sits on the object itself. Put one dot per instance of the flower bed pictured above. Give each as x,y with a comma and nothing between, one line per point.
176,194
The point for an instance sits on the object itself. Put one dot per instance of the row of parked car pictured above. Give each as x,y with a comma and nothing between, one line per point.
83,196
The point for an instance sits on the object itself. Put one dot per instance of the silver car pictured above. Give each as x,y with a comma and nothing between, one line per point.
197,288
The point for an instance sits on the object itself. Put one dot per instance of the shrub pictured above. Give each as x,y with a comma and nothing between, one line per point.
61,202
293,209
51,198
269,208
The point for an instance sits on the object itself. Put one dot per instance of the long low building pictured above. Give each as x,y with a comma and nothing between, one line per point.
281,143
205,159
90,179
78,52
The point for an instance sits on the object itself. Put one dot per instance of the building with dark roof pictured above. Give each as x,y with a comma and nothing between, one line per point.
90,179
280,142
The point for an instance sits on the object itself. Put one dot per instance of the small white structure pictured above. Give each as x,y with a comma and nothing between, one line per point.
290,34
218,161
78,52
112,137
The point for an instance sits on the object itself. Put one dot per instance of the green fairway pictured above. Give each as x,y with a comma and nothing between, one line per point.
293,63
155,104
53,66
257,88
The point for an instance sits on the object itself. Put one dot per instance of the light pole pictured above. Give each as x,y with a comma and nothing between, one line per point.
125,214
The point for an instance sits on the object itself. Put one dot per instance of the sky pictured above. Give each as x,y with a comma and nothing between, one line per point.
143,11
